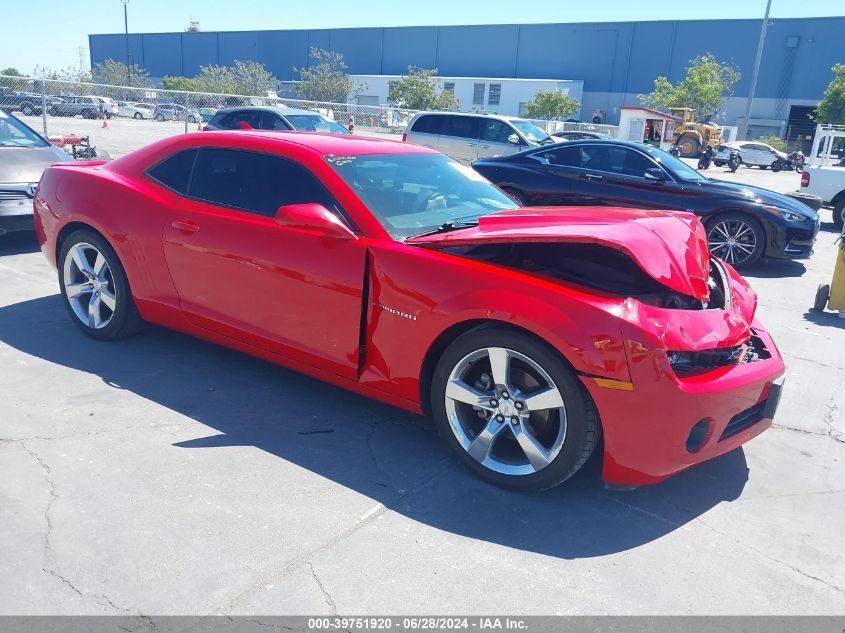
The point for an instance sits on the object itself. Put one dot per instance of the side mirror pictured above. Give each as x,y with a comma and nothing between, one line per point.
655,175
313,218
513,139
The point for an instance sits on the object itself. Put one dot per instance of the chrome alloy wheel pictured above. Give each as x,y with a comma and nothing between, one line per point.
506,411
733,241
89,285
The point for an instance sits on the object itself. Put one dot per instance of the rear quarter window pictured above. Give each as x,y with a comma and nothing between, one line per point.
428,124
174,172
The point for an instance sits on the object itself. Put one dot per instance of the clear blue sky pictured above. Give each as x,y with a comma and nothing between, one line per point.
50,32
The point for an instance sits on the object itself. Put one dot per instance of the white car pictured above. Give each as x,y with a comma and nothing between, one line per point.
109,107
752,153
827,182
134,110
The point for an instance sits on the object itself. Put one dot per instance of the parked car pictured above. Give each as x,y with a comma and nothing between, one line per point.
394,271
24,154
110,107
751,153
134,110
86,106
743,223
466,137
207,113
175,111
28,103
578,135
273,118
828,183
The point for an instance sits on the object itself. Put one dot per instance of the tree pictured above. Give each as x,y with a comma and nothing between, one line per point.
325,78
7,82
184,84
114,73
551,104
11,72
706,86
421,90
775,141
213,78
831,108
252,78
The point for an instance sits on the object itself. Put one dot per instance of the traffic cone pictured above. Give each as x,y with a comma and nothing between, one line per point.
105,121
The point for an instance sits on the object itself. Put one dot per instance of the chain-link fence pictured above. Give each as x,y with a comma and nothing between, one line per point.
114,120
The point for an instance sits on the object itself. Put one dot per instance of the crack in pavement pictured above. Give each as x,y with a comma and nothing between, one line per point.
832,408
326,595
49,565
828,420
47,438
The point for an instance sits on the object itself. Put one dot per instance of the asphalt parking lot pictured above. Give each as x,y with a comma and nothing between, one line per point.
165,475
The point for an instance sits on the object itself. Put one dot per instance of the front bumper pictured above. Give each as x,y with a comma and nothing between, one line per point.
16,215
648,430
791,242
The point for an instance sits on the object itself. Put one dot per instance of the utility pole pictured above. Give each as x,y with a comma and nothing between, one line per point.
743,128
125,3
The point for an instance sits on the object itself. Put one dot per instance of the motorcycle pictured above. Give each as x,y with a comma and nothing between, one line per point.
675,151
734,160
794,160
706,157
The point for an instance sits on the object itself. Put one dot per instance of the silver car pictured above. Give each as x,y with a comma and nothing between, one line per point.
24,154
467,137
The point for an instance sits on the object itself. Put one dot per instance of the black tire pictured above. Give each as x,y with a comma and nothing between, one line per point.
733,165
776,166
159,117
137,115
27,109
582,420
839,214
799,169
517,195
756,227
125,320
689,146
822,295
89,114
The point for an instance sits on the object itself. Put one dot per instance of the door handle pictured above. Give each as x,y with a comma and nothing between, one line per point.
471,144
484,146
593,177
186,226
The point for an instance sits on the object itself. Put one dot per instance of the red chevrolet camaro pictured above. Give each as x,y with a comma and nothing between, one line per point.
528,334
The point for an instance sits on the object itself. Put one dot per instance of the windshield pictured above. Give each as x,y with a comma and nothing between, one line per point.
676,166
314,123
411,194
13,133
530,131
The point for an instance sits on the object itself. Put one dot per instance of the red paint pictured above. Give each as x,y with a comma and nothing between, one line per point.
291,291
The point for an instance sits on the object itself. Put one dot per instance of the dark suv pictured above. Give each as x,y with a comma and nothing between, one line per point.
743,223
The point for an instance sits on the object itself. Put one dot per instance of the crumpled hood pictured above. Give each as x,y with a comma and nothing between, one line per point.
670,247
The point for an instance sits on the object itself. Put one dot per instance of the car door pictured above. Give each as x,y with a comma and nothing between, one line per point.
556,177
749,153
493,140
426,130
240,274
459,137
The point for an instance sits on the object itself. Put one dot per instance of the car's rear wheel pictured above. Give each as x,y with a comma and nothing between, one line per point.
94,287
736,238
27,109
159,117
137,115
512,410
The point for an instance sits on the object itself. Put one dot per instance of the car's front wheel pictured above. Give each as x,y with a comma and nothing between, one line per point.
736,238
512,410
94,287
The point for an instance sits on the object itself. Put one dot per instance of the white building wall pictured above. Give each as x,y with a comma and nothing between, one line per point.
373,90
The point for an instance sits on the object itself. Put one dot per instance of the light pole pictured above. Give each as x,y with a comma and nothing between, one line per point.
125,3
743,129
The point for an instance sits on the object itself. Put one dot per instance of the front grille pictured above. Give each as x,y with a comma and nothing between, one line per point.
743,420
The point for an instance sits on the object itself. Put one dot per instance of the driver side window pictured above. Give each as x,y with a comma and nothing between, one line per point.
495,132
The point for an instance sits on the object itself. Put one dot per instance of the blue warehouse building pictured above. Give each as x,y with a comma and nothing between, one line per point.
615,60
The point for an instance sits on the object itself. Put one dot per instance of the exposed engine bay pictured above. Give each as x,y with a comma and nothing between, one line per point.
598,267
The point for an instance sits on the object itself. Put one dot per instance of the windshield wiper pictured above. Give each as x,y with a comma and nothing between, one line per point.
446,227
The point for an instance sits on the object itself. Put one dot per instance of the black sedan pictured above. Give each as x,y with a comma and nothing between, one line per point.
743,223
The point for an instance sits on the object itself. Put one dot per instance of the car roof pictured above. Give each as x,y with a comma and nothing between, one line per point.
488,115
329,144
283,110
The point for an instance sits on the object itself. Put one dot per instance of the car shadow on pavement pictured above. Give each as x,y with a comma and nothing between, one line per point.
774,268
825,319
387,454
18,243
